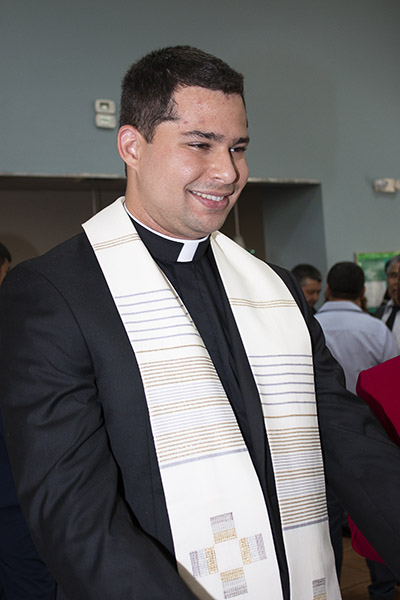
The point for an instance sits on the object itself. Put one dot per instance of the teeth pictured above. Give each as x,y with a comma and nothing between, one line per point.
209,196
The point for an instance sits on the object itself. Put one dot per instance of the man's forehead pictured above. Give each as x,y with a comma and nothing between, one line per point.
213,136
208,114
311,282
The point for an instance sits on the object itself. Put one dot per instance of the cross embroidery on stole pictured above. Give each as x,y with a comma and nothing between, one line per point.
228,562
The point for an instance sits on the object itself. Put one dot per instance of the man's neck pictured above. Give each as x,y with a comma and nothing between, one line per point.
357,301
186,251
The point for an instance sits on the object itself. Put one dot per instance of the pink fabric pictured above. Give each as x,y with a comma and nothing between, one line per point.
380,388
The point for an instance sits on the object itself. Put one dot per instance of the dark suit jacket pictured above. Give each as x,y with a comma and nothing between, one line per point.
380,388
20,564
80,439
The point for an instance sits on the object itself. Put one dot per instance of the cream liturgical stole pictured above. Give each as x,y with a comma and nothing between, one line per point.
219,522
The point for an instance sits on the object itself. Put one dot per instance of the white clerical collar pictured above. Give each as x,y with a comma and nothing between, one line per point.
189,247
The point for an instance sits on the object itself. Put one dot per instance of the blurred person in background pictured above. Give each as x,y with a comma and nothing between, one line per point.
310,281
356,339
389,312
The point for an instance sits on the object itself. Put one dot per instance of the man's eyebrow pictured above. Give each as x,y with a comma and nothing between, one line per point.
215,137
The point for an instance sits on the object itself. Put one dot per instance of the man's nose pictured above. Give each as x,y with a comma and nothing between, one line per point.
223,168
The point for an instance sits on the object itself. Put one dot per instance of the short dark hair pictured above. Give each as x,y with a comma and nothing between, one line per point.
346,281
4,254
149,84
304,271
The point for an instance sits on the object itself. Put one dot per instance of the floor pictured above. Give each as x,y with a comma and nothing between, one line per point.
355,575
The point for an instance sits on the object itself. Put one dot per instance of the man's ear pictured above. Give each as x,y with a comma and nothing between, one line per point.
129,141
362,295
328,293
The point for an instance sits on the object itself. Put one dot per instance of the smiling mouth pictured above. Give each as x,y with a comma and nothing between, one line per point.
210,196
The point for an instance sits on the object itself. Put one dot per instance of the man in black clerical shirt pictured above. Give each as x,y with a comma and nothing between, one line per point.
94,380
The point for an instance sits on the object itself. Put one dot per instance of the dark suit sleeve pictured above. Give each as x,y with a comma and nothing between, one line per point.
362,464
8,496
66,477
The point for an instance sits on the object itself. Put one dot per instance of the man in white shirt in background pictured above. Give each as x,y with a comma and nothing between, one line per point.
389,313
356,339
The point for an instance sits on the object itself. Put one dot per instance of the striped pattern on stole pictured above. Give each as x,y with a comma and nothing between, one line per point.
219,522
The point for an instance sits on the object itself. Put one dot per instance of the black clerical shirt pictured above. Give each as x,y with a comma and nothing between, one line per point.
199,285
